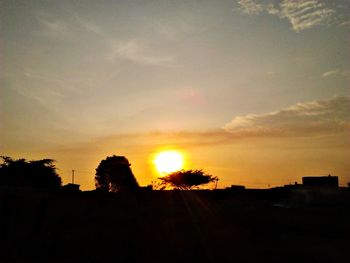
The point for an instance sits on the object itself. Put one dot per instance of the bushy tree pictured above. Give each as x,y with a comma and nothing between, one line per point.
114,174
187,179
36,173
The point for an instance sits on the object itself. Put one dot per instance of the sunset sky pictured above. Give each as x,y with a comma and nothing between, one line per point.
254,92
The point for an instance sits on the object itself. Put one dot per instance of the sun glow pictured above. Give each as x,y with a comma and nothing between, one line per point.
168,162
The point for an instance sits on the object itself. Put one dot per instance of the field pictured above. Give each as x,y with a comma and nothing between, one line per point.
275,225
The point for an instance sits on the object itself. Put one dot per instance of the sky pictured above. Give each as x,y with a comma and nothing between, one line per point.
254,92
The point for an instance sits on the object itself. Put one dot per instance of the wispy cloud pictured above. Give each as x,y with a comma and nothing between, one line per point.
46,97
302,119
251,7
53,25
336,72
137,51
302,15
345,23
305,14
140,51
90,26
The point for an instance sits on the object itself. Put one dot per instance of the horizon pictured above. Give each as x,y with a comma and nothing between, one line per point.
253,92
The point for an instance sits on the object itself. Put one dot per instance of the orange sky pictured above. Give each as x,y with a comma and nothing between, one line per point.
254,92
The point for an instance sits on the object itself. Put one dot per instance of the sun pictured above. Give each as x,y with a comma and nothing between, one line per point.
168,162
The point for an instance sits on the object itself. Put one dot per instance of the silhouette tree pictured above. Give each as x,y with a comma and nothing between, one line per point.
114,174
36,173
186,179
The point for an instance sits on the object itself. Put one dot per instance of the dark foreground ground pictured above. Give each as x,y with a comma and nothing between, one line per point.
174,226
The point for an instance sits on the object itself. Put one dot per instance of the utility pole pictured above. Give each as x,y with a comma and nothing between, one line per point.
73,171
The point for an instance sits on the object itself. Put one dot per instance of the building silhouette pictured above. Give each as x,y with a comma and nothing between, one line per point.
321,181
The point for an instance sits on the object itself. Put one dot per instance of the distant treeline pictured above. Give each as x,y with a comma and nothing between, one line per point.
34,174
113,174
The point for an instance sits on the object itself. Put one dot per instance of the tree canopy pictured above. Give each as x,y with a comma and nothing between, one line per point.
114,174
187,179
36,173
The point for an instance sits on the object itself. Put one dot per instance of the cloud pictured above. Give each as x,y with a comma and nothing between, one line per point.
335,72
345,23
307,120
136,51
54,26
305,14
251,7
301,15
330,73
323,117
69,27
90,27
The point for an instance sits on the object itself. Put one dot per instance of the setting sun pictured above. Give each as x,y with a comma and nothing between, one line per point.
168,161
